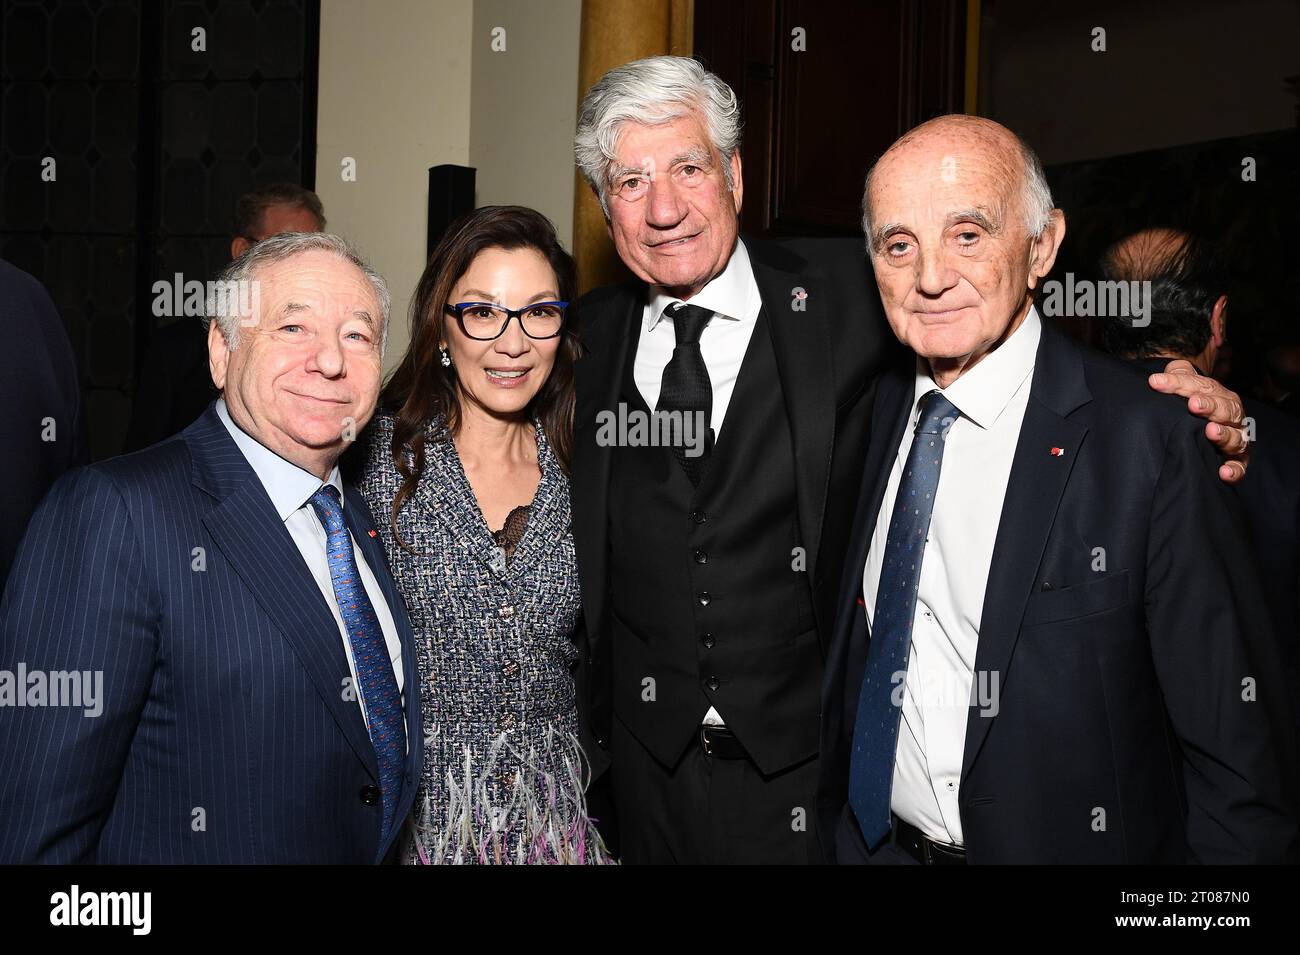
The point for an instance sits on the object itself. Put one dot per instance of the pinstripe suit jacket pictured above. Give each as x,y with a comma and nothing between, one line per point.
225,735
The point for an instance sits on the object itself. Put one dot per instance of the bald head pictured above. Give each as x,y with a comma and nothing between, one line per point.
1145,254
958,138
961,228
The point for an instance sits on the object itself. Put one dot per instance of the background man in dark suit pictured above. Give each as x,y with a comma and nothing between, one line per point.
1188,319
1051,645
174,385
235,671
709,581
42,428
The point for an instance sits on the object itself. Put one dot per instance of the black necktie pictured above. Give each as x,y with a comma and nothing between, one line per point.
686,387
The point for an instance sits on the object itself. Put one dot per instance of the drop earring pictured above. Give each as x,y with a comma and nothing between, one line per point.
446,359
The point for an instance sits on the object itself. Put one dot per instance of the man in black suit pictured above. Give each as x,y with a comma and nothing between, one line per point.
174,383
705,565
1188,318
1051,644
42,428
710,560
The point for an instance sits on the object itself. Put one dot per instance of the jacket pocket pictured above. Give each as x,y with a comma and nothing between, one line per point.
1109,592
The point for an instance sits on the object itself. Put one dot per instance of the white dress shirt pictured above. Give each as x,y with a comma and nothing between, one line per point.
992,397
734,298
290,489
735,301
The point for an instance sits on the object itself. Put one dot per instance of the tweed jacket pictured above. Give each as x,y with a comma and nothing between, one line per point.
503,775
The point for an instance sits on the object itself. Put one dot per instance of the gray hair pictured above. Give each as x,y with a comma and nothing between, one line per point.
653,91
1035,195
223,304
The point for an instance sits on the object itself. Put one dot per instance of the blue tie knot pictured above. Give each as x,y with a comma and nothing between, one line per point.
937,414
325,502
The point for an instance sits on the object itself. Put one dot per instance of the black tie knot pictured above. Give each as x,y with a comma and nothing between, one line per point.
688,321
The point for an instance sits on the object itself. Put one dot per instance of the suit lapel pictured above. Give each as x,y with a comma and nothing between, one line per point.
893,410
248,531
848,651
597,378
801,340
444,494
1038,479
361,525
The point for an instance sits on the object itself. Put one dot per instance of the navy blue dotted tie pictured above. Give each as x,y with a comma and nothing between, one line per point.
375,678
875,733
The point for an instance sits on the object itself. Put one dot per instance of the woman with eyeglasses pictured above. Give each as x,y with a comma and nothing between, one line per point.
468,460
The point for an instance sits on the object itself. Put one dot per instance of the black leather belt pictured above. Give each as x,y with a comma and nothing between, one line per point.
924,849
720,743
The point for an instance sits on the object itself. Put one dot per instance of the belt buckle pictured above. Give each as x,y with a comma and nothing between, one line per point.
937,853
704,740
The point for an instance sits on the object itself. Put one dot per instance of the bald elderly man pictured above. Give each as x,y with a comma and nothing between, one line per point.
1051,644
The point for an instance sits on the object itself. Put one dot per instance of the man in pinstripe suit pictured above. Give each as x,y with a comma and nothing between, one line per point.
259,701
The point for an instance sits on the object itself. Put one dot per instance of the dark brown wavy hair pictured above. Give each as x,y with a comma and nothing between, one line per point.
422,390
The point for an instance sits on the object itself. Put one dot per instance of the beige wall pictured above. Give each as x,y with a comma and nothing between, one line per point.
524,106
395,96
409,84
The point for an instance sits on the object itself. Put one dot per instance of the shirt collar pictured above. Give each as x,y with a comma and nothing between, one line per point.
729,294
288,485
984,392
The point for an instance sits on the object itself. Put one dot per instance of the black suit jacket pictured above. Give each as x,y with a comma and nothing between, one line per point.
828,355
1120,733
1270,496
41,425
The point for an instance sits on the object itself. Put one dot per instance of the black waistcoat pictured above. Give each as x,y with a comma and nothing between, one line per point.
710,598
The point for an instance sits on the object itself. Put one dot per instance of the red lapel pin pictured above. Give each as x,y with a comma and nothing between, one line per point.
372,532
1057,452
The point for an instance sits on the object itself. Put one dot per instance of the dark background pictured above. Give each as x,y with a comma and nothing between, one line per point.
153,147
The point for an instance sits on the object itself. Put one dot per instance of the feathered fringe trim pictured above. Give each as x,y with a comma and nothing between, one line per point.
543,821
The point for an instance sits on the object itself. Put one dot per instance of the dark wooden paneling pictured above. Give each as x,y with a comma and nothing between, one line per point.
153,143
816,119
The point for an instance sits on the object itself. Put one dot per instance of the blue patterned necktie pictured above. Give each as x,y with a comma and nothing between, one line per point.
875,732
377,682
